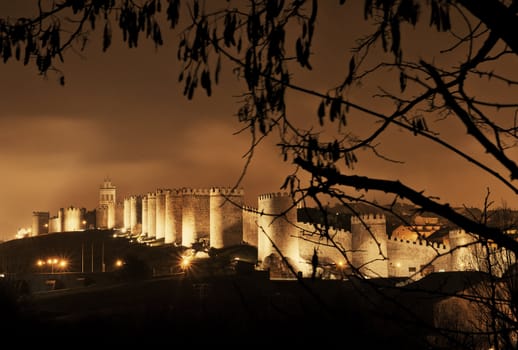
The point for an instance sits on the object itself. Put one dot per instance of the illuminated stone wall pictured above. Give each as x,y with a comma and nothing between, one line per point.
369,243
160,214
108,198
119,215
250,217
72,219
462,257
127,214
312,238
56,223
101,216
195,215
407,258
40,222
135,214
151,214
226,217
279,228
145,210
173,216
183,216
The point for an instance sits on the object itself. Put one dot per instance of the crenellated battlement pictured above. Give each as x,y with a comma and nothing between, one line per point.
72,209
151,195
175,192
226,191
250,209
312,228
457,233
272,195
195,191
161,191
369,219
420,242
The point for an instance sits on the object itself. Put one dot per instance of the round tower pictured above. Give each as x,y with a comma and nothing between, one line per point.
40,222
195,215
72,219
173,216
226,217
463,251
145,227
151,215
135,210
369,245
160,213
127,214
277,231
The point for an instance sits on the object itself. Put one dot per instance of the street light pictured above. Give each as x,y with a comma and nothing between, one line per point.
59,263
185,263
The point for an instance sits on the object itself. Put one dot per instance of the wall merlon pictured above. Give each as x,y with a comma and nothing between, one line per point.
271,195
422,243
226,191
369,219
195,191
250,209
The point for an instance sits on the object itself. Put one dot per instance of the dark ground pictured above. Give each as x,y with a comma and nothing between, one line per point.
224,310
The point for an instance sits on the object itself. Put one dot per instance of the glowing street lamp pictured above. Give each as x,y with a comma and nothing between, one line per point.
59,263
185,263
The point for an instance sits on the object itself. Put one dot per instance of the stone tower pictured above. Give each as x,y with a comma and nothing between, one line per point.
226,217
173,216
369,245
195,216
277,231
160,213
40,222
107,200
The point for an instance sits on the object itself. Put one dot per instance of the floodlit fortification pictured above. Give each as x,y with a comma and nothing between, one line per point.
151,215
144,224
408,258
277,230
72,219
332,246
195,215
369,245
67,219
366,248
160,214
173,216
218,218
56,222
40,222
250,217
135,214
462,257
226,217
127,210
185,216
107,201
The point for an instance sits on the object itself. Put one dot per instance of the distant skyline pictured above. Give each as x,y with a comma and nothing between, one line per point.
122,115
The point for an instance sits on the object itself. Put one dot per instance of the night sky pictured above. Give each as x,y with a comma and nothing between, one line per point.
122,115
